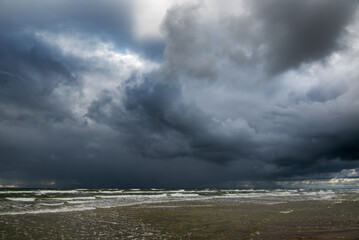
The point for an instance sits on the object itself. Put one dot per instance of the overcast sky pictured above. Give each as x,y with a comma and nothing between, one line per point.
179,93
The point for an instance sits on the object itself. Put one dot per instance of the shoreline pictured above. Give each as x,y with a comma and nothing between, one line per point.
193,220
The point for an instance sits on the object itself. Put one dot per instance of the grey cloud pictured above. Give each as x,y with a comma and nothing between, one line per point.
159,124
205,116
275,36
110,20
320,136
298,32
188,51
31,69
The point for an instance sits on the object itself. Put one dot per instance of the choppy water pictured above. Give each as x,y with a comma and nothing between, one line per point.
32,201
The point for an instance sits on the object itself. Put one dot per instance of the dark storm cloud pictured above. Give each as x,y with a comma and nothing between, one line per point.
157,123
188,51
320,133
272,38
292,139
209,112
160,124
110,20
296,32
30,70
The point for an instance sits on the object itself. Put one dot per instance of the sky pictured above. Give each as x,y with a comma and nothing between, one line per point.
180,93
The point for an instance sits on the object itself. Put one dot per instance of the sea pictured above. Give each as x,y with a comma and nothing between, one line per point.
36,201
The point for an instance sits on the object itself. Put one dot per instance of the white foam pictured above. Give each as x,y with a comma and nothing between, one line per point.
48,211
144,192
228,195
110,192
17,192
240,190
191,191
320,195
74,198
113,196
38,191
275,194
206,191
22,199
286,212
57,191
51,204
132,196
184,195
181,190
79,202
164,195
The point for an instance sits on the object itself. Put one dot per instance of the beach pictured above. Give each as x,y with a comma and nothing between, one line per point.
200,218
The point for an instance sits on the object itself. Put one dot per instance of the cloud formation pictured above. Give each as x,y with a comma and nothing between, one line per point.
256,91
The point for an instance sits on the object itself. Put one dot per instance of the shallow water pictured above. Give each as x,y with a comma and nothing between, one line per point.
35,201
208,218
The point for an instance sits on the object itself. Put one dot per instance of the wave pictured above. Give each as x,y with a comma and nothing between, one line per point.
133,196
17,192
286,212
73,198
79,202
184,195
51,204
21,199
57,191
110,191
48,211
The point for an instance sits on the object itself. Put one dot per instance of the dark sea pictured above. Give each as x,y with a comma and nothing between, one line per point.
36,201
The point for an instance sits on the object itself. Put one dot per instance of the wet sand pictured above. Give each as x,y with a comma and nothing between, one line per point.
193,220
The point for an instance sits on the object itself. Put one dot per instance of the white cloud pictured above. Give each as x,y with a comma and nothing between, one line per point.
108,69
148,16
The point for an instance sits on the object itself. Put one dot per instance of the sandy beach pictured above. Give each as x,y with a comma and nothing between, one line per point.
193,220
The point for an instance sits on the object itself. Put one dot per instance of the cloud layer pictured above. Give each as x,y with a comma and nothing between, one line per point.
215,94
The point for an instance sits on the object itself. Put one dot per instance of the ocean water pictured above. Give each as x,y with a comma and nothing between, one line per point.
36,201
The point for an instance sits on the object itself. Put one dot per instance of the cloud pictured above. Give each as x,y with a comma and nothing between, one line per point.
110,20
261,40
298,32
251,92
160,124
